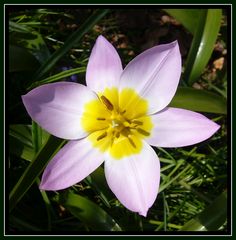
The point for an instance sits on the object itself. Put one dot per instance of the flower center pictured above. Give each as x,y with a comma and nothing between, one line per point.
117,122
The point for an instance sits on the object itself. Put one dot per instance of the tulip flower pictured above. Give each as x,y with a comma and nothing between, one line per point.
115,119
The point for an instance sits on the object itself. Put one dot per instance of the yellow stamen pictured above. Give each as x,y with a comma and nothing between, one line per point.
102,136
131,142
101,119
137,122
117,134
107,103
143,132
115,130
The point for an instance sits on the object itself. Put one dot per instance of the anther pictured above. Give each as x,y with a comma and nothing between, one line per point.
143,132
107,103
102,136
137,122
101,119
131,142
117,134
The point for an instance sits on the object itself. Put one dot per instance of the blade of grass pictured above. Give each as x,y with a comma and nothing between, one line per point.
164,210
171,215
166,153
167,167
36,136
58,76
164,186
177,166
70,42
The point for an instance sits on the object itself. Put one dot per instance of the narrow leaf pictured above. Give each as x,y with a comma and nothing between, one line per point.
29,176
88,212
36,136
202,44
199,100
58,76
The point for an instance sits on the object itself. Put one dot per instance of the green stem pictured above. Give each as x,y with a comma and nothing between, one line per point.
48,206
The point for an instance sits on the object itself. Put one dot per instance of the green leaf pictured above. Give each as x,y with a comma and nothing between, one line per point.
187,17
38,47
20,141
199,100
29,39
29,176
71,41
22,133
36,136
21,60
212,218
88,212
58,76
202,44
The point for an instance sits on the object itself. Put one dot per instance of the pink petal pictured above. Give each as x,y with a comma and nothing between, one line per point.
154,74
75,161
104,66
174,127
135,179
57,107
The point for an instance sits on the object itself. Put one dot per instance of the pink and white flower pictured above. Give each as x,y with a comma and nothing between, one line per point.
115,119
